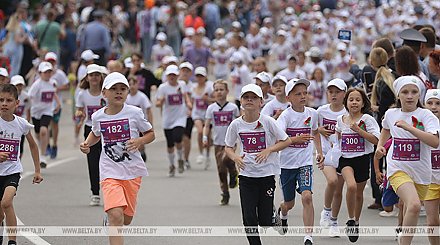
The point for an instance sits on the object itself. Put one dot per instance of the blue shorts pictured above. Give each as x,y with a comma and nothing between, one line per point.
389,197
297,179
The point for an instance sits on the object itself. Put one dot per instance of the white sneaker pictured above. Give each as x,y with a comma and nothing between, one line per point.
422,212
325,219
95,200
393,213
334,229
200,159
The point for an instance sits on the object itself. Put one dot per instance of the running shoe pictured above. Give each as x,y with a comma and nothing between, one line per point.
181,166
352,231
172,171
225,199
95,200
233,181
53,152
325,219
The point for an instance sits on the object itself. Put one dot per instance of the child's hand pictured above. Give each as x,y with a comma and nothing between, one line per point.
380,152
402,124
320,161
263,155
79,113
4,156
379,177
84,147
324,132
133,144
239,162
302,138
355,127
277,113
57,109
37,178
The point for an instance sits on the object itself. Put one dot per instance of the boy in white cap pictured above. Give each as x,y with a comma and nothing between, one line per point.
121,167
262,79
280,50
220,58
4,76
296,161
43,94
280,103
257,160
240,75
292,71
160,50
171,98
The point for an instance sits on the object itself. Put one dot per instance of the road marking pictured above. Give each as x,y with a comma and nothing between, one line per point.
37,240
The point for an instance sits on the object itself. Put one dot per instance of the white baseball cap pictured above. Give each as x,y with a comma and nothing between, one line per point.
45,66
236,57
236,24
172,69
264,77
339,83
430,94
51,56
128,63
4,72
161,36
170,59
405,80
17,79
282,33
88,55
289,10
222,43
189,31
186,65
93,68
314,52
104,70
201,30
220,31
200,71
252,88
114,78
341,46
278,77
296,81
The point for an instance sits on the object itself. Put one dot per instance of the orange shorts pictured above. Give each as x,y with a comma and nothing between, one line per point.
121,193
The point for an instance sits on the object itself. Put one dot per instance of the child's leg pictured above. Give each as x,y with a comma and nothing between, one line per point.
432,202
187,138
44,140
265,204
8,209
359,199
221,168
308,210
116,219
127,219
337,197
249,199
332,182
408,194
350,196
199,126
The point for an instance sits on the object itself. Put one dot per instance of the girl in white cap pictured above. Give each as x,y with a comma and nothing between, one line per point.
160,50
90,100
414,130
327,116
257,160
274,107
432,199
121,167
201,97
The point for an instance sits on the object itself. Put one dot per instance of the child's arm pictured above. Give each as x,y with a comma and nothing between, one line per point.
188,101
262,156
426,137
160,101
58,107
380,150
364,134
80,112
319,156
147,138
238,160
3,156
150,116
206,132
379,175
90,141
35,157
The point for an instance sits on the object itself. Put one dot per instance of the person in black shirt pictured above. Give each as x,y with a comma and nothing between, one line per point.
145,77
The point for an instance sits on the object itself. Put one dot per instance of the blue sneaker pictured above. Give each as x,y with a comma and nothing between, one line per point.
53,152
48,151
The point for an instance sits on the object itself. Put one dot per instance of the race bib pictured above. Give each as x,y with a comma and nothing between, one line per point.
221,60
175,99
435,159
19,111
406,149
282,57
11,146
329,124
293,132
47,96
222,118
352,143
236,80
91,109
201,104
253,142
115,131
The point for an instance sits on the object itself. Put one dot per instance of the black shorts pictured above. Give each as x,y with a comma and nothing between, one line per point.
189,127
8,180
44,121
360,166
174,136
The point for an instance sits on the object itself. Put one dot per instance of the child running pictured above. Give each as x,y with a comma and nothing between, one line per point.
327,116
262,79
261,139
296,161
88,101
220,114
12,129
121,167
23,108
414,130
275,107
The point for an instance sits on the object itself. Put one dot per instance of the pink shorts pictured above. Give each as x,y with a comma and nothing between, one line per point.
121,193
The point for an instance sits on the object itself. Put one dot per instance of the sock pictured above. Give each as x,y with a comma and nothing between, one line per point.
356,222
282,216
308,237
179,154
333,218
350,218
327,209
171,158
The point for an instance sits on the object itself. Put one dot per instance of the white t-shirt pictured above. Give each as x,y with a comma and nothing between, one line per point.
90,103
23,105
270,109
240,77
351,143
327,118
174,107
115,130
186,44
435,163
297,73
221,118
158,52
220,63
42,96
407,153
254,44
295,123
280,53
318,91
10,137
253,141
247,57
139,100
199,104
61,80
268,99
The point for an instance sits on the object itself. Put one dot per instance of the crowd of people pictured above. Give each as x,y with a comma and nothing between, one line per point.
258,81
